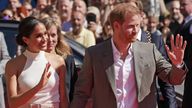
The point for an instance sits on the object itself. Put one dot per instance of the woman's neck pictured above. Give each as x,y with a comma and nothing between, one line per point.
33,51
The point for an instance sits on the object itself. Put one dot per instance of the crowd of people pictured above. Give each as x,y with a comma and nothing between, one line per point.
133,57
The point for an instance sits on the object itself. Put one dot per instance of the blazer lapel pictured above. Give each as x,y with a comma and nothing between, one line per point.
111,77
108,63
142,71
138,64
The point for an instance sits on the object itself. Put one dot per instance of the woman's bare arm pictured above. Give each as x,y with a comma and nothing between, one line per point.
14,98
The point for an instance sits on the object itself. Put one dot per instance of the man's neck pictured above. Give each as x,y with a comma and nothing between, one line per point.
181,18
122,47
65,19
77,32
153,30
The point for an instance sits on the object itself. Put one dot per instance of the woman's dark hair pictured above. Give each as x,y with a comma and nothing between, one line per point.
26,27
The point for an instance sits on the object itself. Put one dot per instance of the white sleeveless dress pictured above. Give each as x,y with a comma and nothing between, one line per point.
48,96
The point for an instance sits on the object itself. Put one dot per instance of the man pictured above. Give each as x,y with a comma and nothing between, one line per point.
176,16
120,72
41,4
4,57
166,96
186,31
79,5
167,90
79,33
65,8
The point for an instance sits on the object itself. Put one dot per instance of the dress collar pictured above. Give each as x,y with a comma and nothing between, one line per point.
34,56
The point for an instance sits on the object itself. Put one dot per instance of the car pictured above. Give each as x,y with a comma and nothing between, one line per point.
10,30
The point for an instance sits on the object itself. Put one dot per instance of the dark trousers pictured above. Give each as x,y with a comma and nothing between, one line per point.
168,93
187,103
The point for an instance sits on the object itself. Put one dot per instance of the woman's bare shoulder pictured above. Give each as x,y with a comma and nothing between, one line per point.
16,63
16,60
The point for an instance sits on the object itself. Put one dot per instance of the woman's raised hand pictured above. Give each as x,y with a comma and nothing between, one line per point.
45,76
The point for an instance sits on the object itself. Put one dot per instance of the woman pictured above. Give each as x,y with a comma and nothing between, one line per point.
38,80
57,45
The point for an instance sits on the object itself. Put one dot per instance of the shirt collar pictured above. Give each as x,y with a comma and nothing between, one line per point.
187,19
139,35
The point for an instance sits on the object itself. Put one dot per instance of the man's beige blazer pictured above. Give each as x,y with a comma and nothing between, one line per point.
97,78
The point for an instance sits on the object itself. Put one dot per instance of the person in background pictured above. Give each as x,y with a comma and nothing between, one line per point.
41,4
65,7
22,12
106,8
29,8
94,23
167,90
4,57
79,5
163,21
186,31
79,33
7,14
91,20
57,45
48,70
120,72
107,30
14,5
176,16
166,33
144,21
50,11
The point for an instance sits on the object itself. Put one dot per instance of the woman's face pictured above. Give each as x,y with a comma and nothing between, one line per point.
38,39
52,38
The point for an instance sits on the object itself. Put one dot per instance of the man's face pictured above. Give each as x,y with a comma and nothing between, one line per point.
128,30
79,5
64,8
14,4
175,9
41,4
152,25
186,7
77,22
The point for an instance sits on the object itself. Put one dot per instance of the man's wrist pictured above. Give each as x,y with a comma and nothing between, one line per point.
180,65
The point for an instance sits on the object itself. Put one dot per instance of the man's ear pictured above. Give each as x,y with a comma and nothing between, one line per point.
116,25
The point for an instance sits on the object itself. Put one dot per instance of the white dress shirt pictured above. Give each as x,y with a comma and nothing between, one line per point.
125,79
